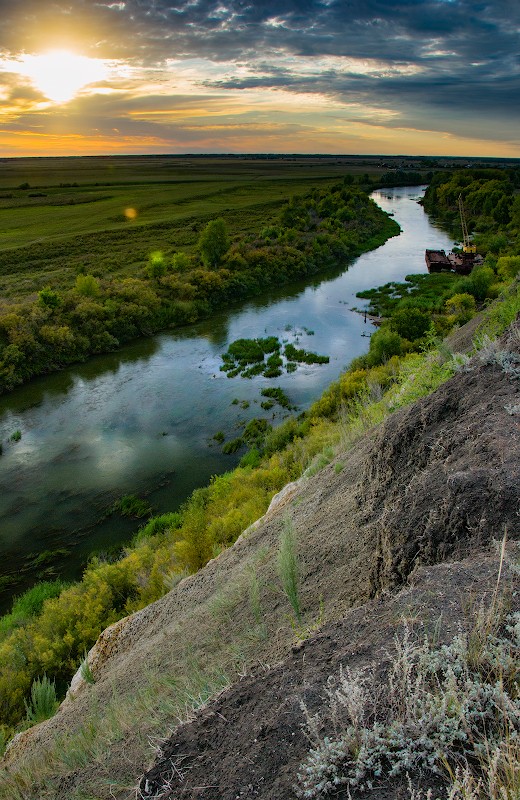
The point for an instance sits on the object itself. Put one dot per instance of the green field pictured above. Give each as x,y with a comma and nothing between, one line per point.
70,217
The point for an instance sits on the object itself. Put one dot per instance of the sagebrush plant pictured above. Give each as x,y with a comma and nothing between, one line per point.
491,352
443,710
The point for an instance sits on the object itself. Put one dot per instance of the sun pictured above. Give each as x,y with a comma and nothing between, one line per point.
60,74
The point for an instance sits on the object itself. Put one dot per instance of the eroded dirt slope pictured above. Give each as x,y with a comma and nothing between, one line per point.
250,742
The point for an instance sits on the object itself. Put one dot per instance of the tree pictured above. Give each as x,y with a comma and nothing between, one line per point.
214,242
156,268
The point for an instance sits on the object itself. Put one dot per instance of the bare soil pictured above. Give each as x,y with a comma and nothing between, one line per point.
249,742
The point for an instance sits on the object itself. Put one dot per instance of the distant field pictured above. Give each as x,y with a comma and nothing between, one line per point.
61,216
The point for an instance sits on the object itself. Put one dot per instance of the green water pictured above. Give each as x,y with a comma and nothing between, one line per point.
141,421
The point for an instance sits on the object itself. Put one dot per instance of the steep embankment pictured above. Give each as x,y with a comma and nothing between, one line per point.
251,741
437,481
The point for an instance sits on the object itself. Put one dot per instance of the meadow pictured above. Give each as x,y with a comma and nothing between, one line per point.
86,265
62,216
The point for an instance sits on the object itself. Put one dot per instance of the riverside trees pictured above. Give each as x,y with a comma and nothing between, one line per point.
319,230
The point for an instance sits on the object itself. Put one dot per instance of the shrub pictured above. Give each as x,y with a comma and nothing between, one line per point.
29,604
479,282
278,438
384,344
49,298
43,702
180,262
508,267
158,525
255,432
156,267
462,307
87,286
410,323
441,707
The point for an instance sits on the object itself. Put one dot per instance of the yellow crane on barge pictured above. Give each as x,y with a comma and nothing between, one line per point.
462,263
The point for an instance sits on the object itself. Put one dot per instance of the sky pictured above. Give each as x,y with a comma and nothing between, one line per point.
432,77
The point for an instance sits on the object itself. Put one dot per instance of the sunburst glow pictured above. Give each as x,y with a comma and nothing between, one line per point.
60,74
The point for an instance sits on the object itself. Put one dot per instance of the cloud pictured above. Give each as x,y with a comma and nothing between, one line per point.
428,65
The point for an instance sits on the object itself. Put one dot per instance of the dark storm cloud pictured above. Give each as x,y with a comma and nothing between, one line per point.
231,29
444,56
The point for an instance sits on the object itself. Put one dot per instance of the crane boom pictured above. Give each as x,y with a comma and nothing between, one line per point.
467,247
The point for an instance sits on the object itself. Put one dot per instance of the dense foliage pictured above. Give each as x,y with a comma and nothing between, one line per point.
61,326
491,203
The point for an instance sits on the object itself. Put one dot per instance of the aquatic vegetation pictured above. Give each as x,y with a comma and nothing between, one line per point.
131,506
293,353
277,394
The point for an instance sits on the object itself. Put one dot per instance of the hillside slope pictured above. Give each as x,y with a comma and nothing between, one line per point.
437,481
251,741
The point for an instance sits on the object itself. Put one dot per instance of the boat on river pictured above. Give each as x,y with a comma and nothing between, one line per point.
461,263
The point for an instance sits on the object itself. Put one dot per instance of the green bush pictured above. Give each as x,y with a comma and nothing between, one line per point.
462,307
214,243
29,604
479,281
43,703
158,525
508,267
49,298
410,323
384,344
87,286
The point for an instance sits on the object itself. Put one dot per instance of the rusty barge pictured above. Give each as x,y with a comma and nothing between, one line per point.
462,262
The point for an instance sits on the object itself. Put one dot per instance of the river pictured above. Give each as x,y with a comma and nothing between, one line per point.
141,421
